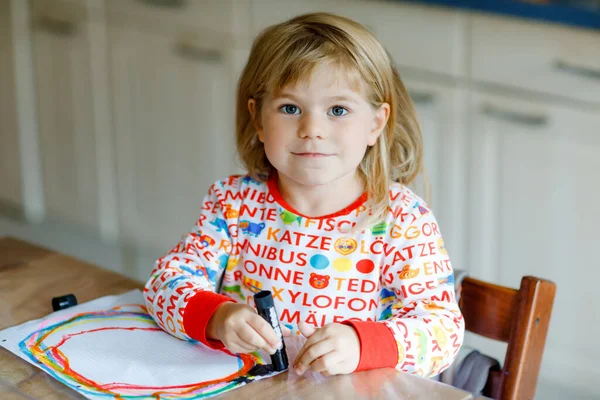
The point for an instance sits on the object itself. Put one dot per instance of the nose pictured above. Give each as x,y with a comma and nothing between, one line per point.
312,127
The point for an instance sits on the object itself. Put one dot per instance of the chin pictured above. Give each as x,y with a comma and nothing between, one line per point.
313,177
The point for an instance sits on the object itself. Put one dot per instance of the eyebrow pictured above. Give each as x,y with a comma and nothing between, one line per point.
344,98
333,98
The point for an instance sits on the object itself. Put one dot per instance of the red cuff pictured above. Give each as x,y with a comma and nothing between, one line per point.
197,313
378,348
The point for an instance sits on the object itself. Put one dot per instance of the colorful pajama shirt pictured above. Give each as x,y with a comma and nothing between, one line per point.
392,282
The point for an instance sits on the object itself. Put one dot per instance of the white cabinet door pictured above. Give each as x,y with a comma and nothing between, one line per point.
441,113
61,58
10,163
174,118
537,56
535,196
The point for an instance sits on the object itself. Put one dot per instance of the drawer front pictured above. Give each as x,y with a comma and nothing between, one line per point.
223,17
422,38
533,56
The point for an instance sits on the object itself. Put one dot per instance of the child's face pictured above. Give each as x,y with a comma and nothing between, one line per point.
318,131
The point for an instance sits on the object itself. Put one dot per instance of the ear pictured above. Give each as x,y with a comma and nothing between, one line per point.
380,119
255,119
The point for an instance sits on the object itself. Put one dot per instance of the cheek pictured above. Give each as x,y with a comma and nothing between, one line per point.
354,137
273,148
276,129
275,139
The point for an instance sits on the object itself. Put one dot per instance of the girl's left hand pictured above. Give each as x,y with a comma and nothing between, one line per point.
331,350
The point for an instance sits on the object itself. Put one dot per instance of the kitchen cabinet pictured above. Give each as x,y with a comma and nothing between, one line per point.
441,110
174,112
533,206
223,19
534,56
533,179
61,59
396,24
10,162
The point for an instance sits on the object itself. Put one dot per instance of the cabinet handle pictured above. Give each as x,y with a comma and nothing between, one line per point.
56,25
515,117
422,98
164,3
192,52
573,69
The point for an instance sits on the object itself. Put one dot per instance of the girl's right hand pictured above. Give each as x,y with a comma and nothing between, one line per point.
241,329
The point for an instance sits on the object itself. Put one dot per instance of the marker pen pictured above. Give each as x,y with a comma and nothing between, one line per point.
62,302
266,309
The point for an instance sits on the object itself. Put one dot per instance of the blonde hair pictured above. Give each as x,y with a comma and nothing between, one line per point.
286,53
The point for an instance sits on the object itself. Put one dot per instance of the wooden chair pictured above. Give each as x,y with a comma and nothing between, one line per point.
517,317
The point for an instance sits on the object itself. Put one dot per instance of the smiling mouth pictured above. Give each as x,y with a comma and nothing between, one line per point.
314,155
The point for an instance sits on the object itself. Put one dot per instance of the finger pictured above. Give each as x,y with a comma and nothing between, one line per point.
252,339
240,339
312,353
238,346
335,369
301,352
265,331
237,349
232,343
326,363
286,331
306,330
314,338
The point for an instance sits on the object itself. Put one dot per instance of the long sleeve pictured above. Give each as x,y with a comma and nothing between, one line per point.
424,325
426,322
181,292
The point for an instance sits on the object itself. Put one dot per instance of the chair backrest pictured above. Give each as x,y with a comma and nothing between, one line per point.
517,317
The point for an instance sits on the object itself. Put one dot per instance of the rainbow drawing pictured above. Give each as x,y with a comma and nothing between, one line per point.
120,353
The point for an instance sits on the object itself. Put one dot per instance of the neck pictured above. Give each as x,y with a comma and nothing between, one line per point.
320,200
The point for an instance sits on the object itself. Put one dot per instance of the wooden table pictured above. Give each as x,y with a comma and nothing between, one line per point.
30,276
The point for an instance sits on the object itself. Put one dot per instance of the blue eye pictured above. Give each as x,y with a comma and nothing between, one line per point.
290,109
337,111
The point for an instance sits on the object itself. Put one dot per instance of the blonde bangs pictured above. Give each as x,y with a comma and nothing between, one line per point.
300,70
297,59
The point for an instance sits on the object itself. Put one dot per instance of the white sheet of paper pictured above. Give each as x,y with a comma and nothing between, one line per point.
112,347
